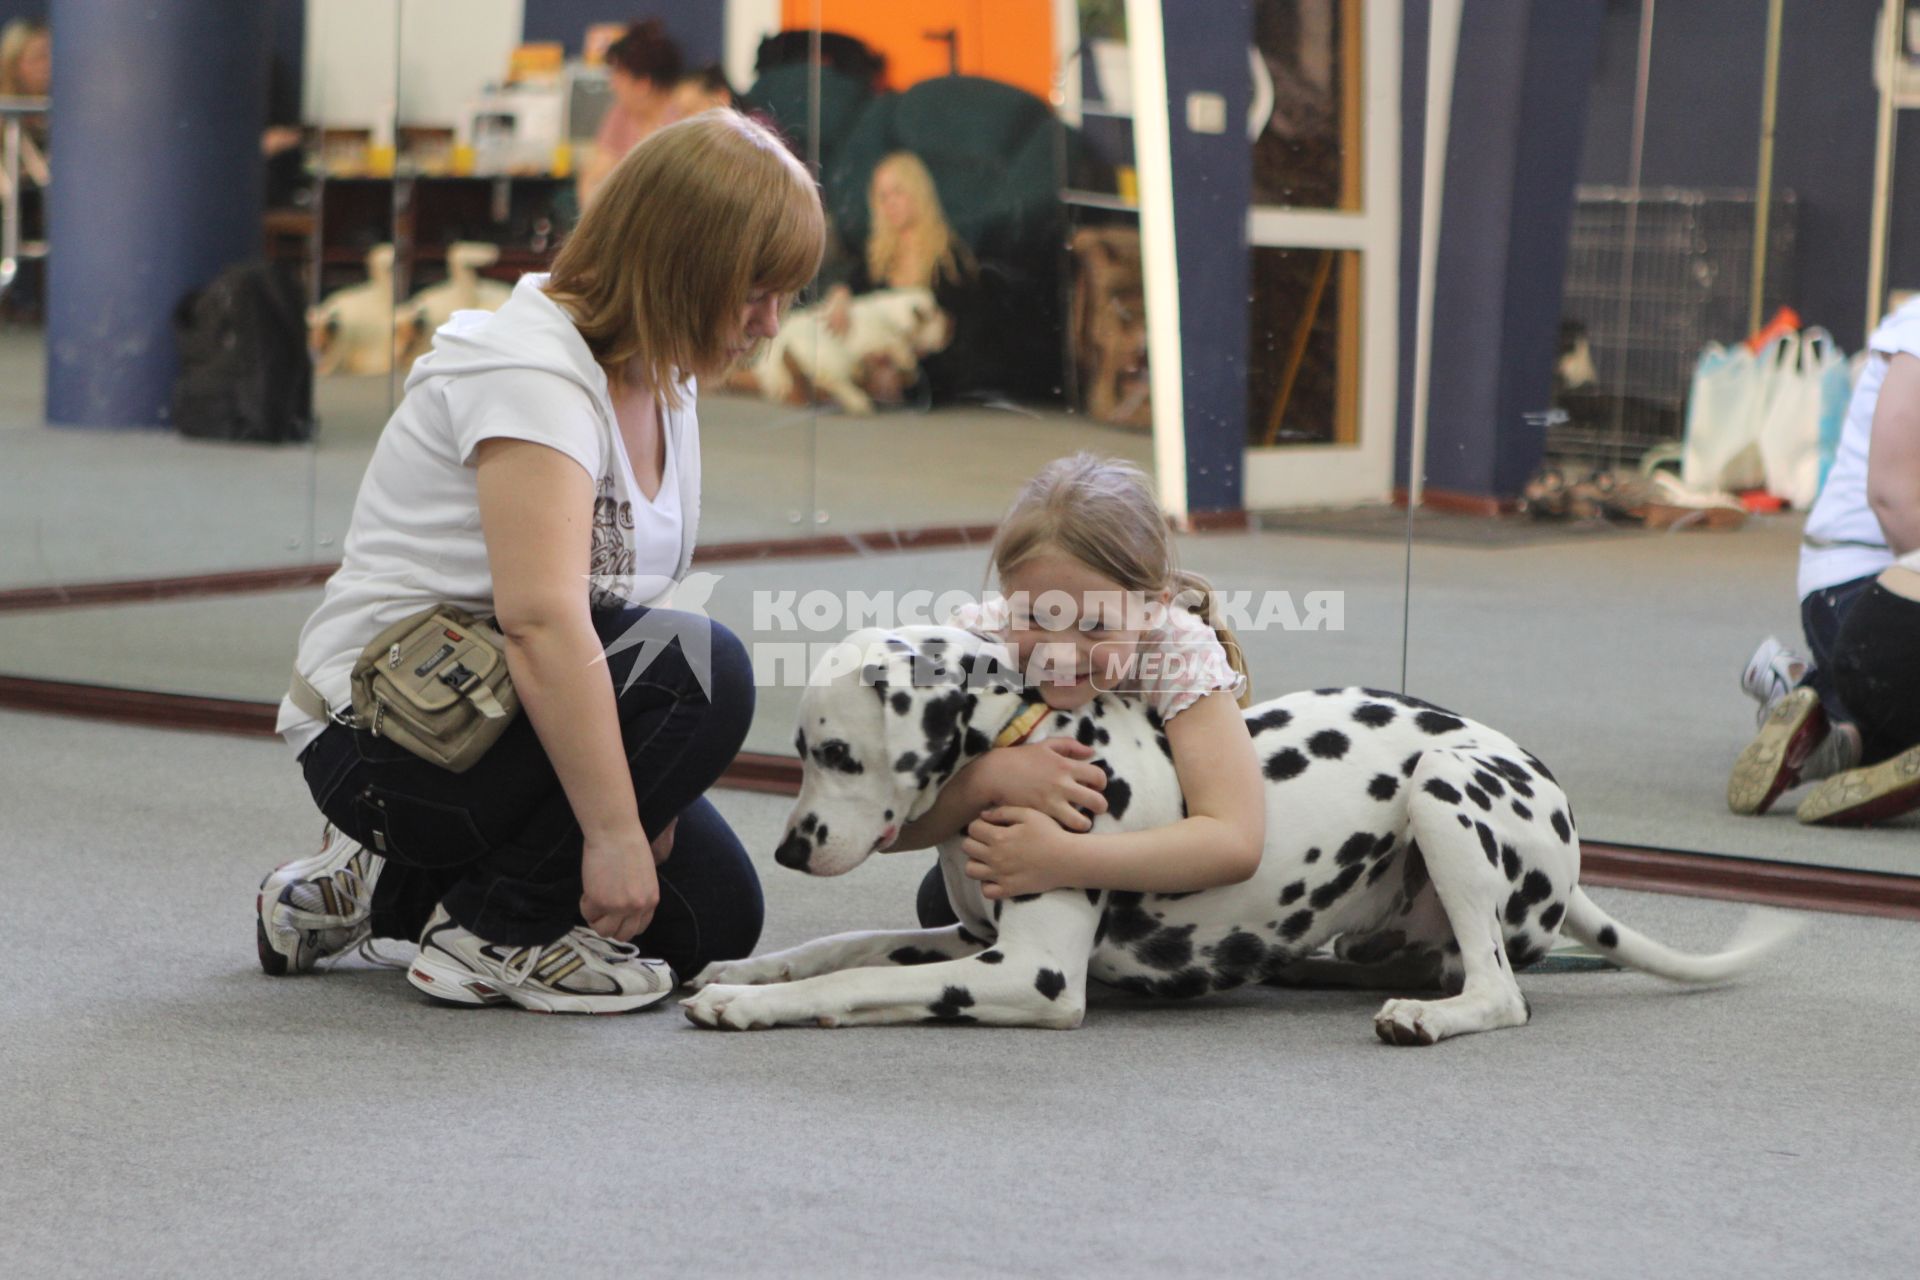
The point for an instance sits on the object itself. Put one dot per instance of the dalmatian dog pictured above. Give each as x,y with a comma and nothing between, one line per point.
1407,849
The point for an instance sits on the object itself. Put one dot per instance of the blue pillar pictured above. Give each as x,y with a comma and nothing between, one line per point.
157,187
1513,154
1212,186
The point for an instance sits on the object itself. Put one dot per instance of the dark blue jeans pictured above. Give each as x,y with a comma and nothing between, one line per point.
1821,615
498,844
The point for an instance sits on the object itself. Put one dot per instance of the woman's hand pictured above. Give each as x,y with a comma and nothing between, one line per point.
1054,777
1016,851
839,310
621,889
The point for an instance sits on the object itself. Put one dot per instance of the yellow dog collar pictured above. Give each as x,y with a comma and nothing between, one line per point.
1022,725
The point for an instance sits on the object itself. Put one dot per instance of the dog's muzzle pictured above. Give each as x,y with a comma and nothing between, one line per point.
795,851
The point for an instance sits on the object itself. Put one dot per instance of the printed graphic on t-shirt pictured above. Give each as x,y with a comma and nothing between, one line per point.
613,556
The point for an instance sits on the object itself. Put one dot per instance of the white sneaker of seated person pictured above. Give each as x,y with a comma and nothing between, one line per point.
317,907
579,972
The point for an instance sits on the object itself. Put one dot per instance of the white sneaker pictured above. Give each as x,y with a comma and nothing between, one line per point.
580,972
317,906
1771,674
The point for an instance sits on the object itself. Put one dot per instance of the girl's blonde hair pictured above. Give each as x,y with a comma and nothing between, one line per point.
938,253
14,39
1102,512
686,226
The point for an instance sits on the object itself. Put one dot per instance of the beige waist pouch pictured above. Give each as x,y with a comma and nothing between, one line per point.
435,683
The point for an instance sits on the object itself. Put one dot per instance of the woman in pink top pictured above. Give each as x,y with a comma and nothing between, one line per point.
643,68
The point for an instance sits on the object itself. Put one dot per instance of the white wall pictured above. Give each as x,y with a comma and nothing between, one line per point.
448,51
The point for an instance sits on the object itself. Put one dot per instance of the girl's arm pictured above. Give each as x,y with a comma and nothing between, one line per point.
1893,455
1050,777
1219,842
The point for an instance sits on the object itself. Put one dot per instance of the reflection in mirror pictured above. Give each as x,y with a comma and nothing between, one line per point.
1665,460
149,363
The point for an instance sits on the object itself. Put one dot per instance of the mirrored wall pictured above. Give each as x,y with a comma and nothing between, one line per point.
1609,623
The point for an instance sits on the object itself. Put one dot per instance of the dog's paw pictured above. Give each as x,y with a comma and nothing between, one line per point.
739,973
1405,1022
727,1008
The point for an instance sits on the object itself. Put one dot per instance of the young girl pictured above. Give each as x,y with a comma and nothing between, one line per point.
1093,602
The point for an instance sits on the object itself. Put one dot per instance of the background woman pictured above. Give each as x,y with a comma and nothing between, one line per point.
544,469
644,68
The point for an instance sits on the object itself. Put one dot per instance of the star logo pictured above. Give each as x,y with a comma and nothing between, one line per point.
678,613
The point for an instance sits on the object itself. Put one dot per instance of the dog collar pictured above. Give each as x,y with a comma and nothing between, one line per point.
1021,727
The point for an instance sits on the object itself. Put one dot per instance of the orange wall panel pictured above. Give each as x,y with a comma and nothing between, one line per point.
1008,40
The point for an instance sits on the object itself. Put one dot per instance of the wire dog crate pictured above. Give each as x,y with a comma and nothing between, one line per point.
1646,320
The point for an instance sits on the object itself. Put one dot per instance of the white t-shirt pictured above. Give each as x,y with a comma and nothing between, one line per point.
525,373
1844,539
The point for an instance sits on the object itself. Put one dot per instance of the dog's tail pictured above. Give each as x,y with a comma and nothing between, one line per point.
1761,932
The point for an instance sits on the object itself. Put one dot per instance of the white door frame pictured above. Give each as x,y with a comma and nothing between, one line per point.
1323,475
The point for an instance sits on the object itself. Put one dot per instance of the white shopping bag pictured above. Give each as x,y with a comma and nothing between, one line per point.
1797,379
1725,408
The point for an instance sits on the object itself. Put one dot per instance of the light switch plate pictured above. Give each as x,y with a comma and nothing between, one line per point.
1206,113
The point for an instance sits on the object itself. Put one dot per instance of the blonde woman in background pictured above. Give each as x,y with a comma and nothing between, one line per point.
909,244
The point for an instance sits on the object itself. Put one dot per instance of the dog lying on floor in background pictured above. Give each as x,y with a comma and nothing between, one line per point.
888,334
1430,853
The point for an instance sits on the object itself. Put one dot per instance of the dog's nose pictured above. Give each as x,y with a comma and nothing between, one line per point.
795,852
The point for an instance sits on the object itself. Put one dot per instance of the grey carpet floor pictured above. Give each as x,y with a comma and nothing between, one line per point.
169,1111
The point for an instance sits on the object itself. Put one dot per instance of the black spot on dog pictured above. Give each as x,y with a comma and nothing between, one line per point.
1050,983
1358,846
1536,887
1375,715
1487,842
1119,794
1329,744
1126,921
1463,819
1438,722
1521,951
907,763
1488,783
1329,893
997,904
1084,734
808,823
1408,765
1416,877
1174,897
1561,827
1328,692
1313,855
1293,893
1167,949
1239,952
1479,797
1284,764
1295,926
1380,869
1384,786
994,956
1534,764
1061,720
1550,918
960,930
1441,791
915,955
1608,937
1277,718
901,702
1093,896
1521,812
1510,861
948,1007
975,742
1516,912
1384,844
1025,897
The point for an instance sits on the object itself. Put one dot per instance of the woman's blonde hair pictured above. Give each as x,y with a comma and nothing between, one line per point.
687,225
938,253
1102,512
14,38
